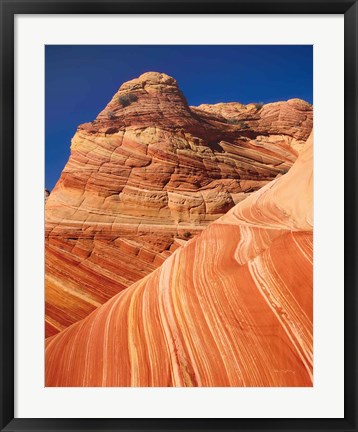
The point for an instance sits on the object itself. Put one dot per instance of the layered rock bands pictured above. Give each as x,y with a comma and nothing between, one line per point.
149,174
232,307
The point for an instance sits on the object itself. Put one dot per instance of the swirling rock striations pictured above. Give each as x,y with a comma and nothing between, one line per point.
232,307
149,170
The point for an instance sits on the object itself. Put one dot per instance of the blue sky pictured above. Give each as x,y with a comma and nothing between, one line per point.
81,79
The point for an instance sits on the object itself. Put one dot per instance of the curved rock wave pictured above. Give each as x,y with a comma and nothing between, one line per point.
150,171
232,307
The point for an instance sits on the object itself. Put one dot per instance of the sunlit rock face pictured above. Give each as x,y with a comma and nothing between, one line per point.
148,173
231,307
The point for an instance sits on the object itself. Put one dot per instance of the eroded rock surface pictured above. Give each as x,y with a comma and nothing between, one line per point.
232,307
148,171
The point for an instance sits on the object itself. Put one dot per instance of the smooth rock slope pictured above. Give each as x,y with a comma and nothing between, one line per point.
233,307
149,173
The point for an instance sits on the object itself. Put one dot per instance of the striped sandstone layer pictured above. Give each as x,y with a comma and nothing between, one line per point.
233,307
148,173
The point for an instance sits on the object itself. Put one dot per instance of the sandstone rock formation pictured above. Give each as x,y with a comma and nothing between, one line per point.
232,307
148,170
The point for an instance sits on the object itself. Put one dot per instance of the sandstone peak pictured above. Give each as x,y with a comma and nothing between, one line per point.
300,103
153,98
151,78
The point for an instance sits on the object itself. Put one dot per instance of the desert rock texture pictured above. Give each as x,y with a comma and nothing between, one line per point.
148,175
232,307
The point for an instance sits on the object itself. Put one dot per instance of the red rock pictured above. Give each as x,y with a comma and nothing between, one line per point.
145,170
232,307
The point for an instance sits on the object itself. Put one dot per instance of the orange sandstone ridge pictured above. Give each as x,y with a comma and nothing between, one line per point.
146,175
233,307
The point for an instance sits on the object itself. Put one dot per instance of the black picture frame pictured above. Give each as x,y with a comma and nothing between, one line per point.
8,10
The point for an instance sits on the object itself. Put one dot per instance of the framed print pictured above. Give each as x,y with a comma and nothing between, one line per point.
178,215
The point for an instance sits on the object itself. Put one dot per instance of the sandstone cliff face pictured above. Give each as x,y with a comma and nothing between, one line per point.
232,307
150,171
